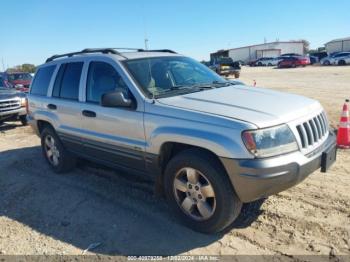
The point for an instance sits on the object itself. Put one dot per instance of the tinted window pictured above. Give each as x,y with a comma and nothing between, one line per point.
67,81
102,77
42,80
19,76
58,81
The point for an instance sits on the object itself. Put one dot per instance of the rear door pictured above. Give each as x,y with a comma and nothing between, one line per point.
65,104
110,134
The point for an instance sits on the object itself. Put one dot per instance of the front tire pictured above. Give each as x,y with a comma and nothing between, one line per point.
199,192
23,120
59,159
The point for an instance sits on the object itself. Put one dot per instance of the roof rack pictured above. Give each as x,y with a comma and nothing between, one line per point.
158,50
86,51
145,50
107,51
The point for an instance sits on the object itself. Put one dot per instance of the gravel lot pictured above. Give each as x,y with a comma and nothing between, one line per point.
45,213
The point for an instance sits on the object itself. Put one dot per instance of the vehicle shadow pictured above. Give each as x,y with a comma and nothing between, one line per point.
93,204
6,126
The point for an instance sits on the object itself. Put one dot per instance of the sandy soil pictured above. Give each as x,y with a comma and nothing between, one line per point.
45,213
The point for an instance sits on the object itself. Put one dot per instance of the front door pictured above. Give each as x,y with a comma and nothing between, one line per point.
114,135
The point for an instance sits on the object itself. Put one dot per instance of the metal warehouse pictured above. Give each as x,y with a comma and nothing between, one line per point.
273,49
338,45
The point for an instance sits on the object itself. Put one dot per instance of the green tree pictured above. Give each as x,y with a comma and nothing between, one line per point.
28,68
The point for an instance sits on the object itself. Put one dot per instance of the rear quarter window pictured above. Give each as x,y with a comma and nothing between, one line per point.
41,81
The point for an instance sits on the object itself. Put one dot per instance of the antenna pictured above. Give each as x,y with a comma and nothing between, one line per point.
145,27
146,43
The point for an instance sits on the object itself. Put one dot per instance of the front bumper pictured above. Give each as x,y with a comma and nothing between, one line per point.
13,113
228,71
253,179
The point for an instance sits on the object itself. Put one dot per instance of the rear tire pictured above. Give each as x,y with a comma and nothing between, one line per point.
260,64
222,206
59,159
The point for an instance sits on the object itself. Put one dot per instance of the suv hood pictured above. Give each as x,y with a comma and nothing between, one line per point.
9,94
262,107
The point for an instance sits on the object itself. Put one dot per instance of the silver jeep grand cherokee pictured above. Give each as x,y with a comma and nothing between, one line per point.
210,146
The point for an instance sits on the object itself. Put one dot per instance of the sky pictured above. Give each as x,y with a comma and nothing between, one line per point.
33,30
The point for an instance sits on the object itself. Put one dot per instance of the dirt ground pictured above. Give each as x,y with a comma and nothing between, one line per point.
45,213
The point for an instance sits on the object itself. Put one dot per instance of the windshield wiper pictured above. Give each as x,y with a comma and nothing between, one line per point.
193,88
214,84
221,84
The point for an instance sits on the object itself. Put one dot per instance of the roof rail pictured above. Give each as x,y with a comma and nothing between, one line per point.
158,50
144,50
106,51
86,51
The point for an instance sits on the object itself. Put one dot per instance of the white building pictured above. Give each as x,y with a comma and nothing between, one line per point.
338,45
273,49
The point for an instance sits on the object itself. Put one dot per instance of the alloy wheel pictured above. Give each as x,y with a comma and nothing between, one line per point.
194,194
51,150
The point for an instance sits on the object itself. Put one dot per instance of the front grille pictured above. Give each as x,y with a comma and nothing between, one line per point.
313,131
8,105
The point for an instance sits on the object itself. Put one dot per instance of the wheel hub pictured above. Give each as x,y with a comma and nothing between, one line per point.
194,194
52,152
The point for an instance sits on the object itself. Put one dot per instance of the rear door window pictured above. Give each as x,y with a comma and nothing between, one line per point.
67,81
42,80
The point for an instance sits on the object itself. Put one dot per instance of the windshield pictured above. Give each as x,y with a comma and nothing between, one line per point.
225,60
22,76
167,76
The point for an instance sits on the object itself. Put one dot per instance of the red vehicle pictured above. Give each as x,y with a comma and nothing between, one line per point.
294,61
20,81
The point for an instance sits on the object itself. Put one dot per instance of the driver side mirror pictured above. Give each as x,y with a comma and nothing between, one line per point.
116,98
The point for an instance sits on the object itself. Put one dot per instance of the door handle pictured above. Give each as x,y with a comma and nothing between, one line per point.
89,113
52,106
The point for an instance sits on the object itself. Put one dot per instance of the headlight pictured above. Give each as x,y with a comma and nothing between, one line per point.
270,141
23,102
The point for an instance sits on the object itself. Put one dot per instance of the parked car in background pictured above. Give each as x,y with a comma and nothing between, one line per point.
319,55
339,58
313,59
20,81
12,104
208,145
225,66
260,61
290,54
293,61
271,61
343,60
